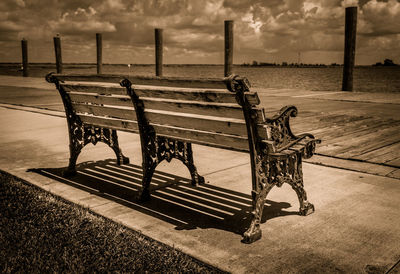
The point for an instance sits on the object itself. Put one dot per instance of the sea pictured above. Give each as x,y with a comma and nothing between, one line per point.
329,78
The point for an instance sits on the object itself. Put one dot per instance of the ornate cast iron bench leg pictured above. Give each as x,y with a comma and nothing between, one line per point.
81,135
276,171
296,182
183,152
121,159
259,195
157,149
149,166
253,233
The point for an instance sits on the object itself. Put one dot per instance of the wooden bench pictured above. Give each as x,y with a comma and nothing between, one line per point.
172,113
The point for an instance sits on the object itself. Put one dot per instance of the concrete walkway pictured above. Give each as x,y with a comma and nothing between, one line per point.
355,228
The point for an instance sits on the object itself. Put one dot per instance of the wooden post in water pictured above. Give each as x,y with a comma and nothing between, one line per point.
349,48
57,49
228,47
159,51
99,47
24,47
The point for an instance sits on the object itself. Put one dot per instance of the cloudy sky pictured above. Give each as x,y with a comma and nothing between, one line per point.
267,31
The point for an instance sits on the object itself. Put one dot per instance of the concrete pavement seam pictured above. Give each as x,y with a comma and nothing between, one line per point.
24,108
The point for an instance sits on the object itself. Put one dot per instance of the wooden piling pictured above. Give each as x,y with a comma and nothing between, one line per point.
25,68
349,48
228,47
99,47
159,51
57,49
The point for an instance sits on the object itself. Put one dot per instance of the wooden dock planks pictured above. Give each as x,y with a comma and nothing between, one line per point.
372,140
360,137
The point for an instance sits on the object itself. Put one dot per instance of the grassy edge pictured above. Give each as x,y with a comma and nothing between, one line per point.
207,267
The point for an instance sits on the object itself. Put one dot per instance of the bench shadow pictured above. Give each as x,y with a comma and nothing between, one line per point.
173,198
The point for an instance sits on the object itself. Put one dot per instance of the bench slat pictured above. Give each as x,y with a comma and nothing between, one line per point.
109,78
202,95
217,83
205,123
112,123
128,114
204,138
217,110
98,88
101,99
212,96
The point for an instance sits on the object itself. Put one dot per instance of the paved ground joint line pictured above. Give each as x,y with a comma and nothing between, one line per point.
224,169
39,110
396,265
318,94
354,101
349,169
359,160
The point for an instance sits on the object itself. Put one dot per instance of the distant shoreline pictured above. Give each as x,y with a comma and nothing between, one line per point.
91,65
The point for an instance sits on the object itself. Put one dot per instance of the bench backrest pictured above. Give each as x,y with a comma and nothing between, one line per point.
99,101
201,111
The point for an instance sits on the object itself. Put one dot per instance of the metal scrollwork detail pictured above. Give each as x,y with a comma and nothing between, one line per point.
279,126
125,83
50,78
275,171
289,170
81,135
309,148
259,195
235,83
159,148
171,148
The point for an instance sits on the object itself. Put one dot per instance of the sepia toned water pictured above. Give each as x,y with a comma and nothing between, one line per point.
366,79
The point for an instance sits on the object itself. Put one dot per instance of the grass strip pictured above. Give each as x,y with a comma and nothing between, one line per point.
41,232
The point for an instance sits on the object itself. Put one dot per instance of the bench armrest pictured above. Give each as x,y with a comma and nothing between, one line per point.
279,131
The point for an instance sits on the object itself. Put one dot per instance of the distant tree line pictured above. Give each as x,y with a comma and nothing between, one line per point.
386,63
284,64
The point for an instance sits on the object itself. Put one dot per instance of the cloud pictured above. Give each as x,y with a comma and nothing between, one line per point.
11,4
81,21
350,3
273,30
380,18
9,26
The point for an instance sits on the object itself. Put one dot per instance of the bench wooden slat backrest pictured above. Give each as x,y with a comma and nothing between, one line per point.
194,110
99,101
212,83
198,115
161,92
